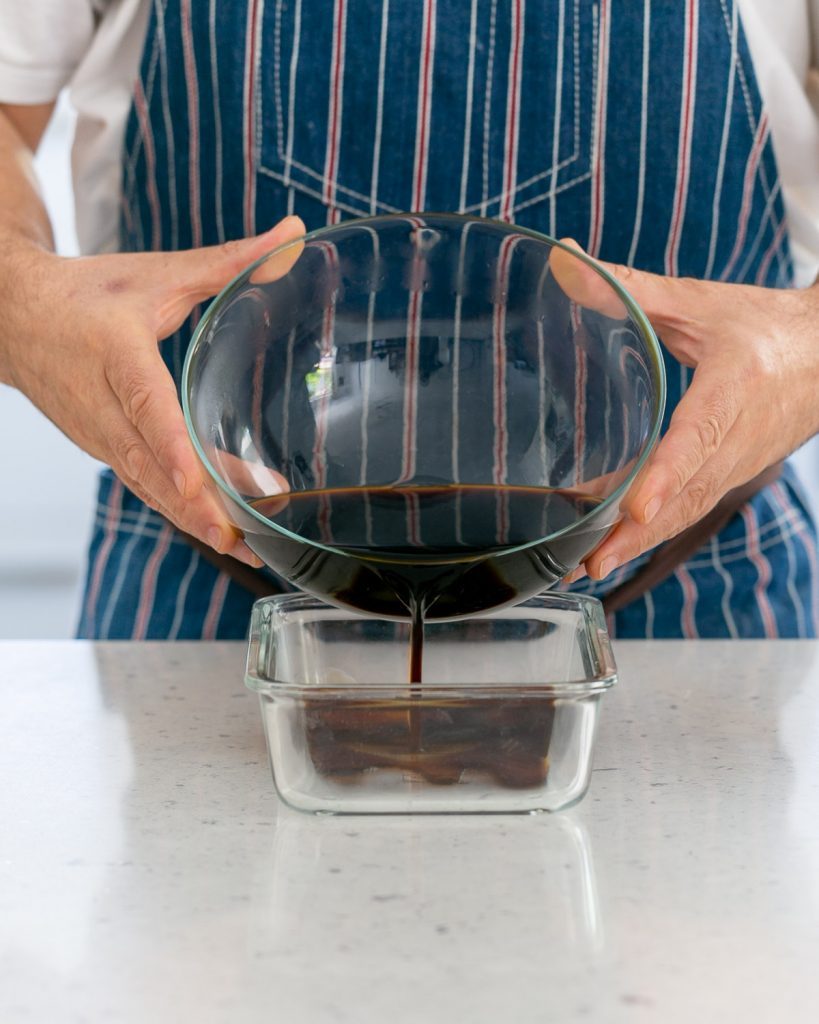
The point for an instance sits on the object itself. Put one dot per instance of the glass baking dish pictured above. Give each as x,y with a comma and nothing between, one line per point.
504,721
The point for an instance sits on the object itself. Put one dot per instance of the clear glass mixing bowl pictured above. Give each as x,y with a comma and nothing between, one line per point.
434,403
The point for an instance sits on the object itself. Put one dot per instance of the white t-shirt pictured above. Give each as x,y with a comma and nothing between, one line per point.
93,47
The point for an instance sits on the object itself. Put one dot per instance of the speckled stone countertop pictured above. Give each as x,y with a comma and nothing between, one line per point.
148,873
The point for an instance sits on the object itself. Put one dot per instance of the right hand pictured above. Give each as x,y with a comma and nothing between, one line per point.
80,338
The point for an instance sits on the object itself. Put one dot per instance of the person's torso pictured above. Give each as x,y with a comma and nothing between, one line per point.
636,129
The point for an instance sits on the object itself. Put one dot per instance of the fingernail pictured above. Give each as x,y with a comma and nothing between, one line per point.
214,537
179,480
607,566
243,553
651,509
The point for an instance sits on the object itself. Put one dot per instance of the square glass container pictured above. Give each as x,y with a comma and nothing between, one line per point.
504,720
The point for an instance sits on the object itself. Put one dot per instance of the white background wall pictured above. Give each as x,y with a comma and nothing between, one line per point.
47,485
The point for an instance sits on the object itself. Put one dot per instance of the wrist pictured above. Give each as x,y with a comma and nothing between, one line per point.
26,272
800,323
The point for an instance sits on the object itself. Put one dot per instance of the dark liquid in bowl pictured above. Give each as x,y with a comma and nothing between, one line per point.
425,552
449,549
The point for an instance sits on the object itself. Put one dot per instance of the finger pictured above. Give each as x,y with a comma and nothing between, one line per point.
239,551
147,394
249,477
605,484
202,516
662,299
630,538
698,429
204,272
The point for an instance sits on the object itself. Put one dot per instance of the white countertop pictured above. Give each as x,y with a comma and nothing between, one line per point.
148,873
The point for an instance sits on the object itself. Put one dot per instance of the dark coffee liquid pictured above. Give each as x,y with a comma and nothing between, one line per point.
424,553
449,548
416,670
432,739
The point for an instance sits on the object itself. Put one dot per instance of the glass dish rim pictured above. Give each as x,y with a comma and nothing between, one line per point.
583,604
637,314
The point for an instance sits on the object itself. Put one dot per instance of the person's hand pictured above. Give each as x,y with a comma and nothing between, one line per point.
80,338
753,398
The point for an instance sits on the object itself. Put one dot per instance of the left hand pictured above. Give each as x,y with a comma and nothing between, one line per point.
753,398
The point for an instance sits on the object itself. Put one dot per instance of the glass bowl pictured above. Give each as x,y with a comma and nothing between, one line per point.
504,721
423,408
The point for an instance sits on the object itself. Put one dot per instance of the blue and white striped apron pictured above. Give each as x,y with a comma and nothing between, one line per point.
635,127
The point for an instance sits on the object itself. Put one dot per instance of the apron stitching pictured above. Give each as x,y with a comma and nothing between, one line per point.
545,195
338,203
277,85
487,111
470,91
289,161
558,111
746,92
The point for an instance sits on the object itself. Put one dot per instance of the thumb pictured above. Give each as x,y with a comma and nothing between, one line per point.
201,273
659,297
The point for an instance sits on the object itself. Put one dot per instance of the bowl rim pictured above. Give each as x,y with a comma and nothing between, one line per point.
635,311
586,608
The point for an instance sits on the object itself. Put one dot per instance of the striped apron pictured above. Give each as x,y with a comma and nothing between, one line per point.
635,127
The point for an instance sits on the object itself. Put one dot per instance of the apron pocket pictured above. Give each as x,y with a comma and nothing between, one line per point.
378,106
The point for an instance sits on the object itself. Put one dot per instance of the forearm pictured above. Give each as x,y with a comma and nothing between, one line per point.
25,230
23,217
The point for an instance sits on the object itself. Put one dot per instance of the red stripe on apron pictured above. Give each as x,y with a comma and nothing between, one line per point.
763,568
499,392
324,397
192,90
419,185
104,552
141,106
579,398
413,518
215,606
686,133
413,351
334,112
254,10
147,590
689,590
767,259
747,194
512,112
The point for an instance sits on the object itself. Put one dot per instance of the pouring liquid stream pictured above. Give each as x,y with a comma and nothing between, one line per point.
416,668
424,553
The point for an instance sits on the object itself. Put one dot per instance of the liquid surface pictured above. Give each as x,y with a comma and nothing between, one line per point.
415,523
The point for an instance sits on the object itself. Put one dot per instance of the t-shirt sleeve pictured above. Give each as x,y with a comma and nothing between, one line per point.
42,42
